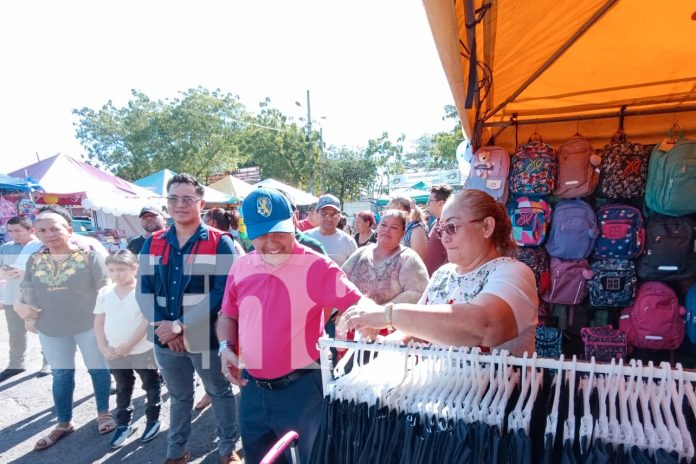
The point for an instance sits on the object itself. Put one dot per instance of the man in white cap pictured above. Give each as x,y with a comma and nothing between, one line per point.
338,244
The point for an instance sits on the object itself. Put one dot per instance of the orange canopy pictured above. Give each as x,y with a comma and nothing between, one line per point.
566,66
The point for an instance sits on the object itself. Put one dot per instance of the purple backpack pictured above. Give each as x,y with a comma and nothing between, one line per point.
603,343
533,169
490,167
573,230
568,283
621,232
655,321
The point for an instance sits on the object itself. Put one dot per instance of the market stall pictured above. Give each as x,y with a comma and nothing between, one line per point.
157,184
233,186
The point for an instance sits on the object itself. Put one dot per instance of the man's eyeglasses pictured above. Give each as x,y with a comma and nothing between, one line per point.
187,201
450,228
329,214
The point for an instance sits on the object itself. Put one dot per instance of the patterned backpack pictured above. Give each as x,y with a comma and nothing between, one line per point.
573,230
690,304
613,283
603,343
489,172
577,174
548,342
655,321
538,260
621,232
670,249
671,183
533,169
568,284
623,170
530,220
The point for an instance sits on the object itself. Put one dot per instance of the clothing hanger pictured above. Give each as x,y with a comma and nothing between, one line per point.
644,390
626,436
536,381
481,408
633,394
663,439
601,429
468,375
614,436
569,424
460,382
587,421
467,404
504,371
444,383
666,382
552,419
484,383
496,382
501,407
514,418
678,390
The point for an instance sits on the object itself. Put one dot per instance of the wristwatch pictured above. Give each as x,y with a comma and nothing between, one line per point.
177,328
224,345
388,309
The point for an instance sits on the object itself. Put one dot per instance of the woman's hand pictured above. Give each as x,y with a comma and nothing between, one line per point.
26,312
361,316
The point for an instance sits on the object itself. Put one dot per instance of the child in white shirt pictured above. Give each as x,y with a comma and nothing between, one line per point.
120,328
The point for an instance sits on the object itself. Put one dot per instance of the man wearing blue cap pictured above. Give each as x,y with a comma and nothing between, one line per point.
276,301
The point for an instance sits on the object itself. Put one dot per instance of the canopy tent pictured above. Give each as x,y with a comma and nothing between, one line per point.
562,67
18,184
300,197
67,180
157,183
417,192
232,186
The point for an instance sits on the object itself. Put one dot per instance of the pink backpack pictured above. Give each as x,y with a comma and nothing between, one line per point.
655,321
490,167
577,172
568,281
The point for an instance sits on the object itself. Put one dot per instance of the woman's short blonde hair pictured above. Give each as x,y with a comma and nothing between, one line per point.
480,205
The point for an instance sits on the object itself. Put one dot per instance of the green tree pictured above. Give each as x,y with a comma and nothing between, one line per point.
348,173
282,149
197,132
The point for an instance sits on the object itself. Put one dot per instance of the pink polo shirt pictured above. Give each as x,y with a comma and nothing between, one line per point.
281,310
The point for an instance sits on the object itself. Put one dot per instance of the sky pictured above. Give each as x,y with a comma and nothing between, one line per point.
370,65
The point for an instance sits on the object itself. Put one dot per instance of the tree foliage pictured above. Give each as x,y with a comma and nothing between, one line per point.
197,132
348,173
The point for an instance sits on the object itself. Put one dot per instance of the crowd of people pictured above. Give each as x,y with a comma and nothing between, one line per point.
199,298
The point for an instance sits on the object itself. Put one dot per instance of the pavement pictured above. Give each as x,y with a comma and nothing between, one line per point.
26,414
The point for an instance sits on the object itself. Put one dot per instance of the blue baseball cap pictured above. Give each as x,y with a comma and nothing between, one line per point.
266,210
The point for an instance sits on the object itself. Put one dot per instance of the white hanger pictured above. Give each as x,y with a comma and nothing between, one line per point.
666,382
626,437
643,389
569,424
536,381
633,394
678,402
501,407
515,416
663,439
587,421
614,425
552,419
461,380
504,373
476,377
601,429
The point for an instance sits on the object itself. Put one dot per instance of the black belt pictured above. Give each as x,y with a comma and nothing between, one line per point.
283,382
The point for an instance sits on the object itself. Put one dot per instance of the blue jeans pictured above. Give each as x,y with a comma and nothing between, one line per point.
60,353
265,416
177,369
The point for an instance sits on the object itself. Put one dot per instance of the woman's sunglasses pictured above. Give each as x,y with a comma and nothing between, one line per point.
450,228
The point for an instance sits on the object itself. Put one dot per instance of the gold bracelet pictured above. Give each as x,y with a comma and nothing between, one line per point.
388,309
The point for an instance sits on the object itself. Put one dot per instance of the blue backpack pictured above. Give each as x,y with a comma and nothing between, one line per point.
671,184
621,232
573,230
613,284
690,304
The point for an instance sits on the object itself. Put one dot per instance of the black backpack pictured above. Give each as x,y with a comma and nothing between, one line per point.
670,249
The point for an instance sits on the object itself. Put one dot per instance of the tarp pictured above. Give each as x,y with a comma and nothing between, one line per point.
18,184
232,186
157,183
418,192
300,197
98,190
570,62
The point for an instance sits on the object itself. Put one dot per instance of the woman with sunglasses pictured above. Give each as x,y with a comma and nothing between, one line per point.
387,271
482,297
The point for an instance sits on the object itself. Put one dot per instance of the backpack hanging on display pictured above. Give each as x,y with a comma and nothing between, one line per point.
613,283
577,168
489,172
538,261
670,249
655,321
533,168
530,219
568,283
548,342
671,183
624,169
573,230
621,232
603,343
690,304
